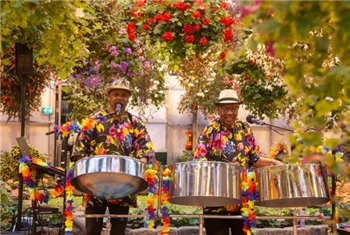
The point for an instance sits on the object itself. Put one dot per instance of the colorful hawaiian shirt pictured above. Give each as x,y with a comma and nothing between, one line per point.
219,143
234,145
103,135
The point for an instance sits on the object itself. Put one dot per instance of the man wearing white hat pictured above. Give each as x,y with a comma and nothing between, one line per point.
114,131
231,140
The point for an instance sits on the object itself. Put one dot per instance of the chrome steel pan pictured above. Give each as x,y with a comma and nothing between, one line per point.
109,176
292,185
205,183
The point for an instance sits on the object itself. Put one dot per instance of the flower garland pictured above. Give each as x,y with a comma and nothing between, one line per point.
164,201
31,177
279,147
152,179
249,196
69,129
69,200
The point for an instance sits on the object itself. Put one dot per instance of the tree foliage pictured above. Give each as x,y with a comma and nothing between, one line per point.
312,38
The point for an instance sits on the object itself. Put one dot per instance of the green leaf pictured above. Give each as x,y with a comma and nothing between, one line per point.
6,61
23,24
17,4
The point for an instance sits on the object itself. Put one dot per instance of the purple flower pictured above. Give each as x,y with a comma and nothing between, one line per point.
113,65
128,51
114,53
112,48
131,74
123,66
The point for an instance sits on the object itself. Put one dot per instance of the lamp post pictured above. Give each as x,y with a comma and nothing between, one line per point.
24,68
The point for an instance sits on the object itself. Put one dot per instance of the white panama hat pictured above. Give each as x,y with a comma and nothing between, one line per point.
122,84
228,96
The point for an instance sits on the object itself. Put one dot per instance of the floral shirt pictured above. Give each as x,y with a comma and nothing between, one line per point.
219,143
103,135
235,145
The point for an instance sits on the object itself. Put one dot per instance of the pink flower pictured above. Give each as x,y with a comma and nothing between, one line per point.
122,31
147,64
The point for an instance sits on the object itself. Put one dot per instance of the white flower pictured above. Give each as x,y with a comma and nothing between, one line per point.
329,98
200,94
190,84
79,12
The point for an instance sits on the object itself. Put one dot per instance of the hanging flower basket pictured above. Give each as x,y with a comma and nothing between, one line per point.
180,29
10,100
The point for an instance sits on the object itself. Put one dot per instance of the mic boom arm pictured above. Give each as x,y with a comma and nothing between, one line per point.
251,119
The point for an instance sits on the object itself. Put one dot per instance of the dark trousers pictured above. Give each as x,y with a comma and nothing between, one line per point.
222,226
94,225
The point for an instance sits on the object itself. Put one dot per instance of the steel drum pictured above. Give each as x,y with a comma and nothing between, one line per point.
109,176
292,185
205,183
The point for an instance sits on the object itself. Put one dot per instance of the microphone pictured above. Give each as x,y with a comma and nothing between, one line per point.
118,107
252,120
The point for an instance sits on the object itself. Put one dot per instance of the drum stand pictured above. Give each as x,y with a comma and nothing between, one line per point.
109,225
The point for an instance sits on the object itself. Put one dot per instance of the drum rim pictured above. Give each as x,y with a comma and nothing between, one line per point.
110,156
207,162
289,165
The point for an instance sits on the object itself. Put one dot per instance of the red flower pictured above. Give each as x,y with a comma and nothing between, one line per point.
205,21
251,61
198,2
223,55
269,48
227,22
136,13
158,17
187,29
168,36
228,35
189,38
131,31
182,6
150,20
223,5
145,27
196,14
196,27
215,10
203,41
245,228
131,36
167,17
140,3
